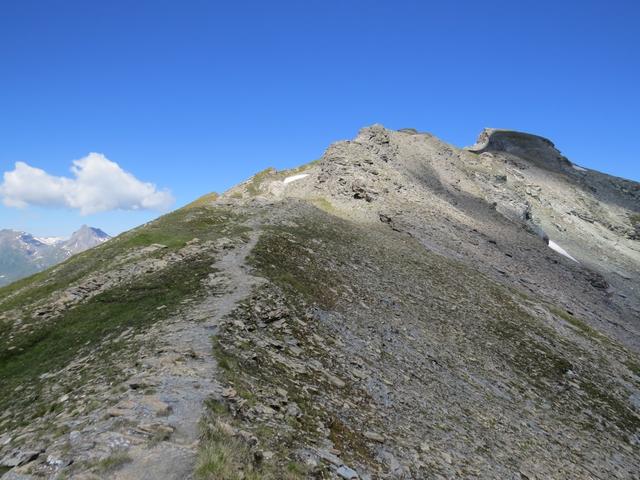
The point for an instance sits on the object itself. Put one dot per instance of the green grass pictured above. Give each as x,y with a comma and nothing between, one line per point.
281,251
223,456
203,201
35,347
216,407
172,230
52,345
324,204
580,325
112,462
634,366
609,406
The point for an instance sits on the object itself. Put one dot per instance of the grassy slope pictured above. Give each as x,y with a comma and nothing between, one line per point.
91,329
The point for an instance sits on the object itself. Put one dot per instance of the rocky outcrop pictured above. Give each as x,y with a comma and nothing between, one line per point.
534,148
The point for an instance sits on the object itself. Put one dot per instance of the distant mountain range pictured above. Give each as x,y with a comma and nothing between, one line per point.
22,254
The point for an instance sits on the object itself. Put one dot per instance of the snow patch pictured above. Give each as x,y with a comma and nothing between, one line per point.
554,246
580,169
49,240
293,178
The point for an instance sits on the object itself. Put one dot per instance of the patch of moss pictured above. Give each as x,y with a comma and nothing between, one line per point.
202,201
217,407
285,259
610,407
580,325
346,440
296,470
634,366
324,204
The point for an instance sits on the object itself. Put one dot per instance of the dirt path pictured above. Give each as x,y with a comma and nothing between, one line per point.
184,374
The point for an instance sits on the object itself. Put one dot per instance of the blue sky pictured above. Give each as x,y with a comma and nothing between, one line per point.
195,96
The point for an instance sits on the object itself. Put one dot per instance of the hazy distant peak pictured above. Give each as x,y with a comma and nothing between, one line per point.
22,253
84,238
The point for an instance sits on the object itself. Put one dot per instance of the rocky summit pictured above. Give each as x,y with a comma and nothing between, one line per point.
398,309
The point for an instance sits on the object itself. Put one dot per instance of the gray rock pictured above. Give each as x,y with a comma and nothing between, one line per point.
18,458
346,472
11,475
376,437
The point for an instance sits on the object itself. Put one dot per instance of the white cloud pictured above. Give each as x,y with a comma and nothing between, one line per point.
99,185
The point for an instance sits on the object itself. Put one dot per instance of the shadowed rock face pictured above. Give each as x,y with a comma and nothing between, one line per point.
399,308
503,140
535,149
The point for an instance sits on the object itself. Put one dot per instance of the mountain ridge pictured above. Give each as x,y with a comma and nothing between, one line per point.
394,309
24,254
